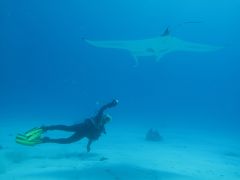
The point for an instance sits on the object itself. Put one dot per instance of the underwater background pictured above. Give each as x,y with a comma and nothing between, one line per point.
48,71
50,75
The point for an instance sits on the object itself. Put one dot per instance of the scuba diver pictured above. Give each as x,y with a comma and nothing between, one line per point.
91,128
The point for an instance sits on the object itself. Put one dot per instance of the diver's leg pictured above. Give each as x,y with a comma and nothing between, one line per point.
74,138
72,128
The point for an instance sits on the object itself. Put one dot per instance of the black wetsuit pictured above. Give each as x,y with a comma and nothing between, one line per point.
91,128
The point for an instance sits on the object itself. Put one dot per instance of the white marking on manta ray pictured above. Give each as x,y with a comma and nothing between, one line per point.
157,47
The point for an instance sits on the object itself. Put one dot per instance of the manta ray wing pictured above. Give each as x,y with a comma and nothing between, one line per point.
127,45
180,45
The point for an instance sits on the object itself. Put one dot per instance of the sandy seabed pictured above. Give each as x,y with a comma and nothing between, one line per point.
125,155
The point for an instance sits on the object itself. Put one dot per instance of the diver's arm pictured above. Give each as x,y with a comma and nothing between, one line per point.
89,145
103,108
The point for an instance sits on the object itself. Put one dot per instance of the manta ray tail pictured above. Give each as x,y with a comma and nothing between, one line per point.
168,30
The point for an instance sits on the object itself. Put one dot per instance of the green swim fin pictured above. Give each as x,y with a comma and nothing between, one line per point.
34,133
24,140
30,138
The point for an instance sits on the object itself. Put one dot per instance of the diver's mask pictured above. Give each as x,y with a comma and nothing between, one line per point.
106,119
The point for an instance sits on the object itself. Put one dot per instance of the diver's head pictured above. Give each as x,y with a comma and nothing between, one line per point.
106,119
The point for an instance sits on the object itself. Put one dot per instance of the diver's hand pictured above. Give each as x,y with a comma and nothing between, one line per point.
114,103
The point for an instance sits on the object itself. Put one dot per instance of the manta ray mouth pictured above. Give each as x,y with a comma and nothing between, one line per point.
151,50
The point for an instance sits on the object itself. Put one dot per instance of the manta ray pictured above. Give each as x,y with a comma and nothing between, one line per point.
156,47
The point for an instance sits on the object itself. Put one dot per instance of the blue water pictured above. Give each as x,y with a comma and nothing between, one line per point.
47,70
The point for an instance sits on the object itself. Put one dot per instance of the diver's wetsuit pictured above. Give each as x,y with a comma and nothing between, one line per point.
91,128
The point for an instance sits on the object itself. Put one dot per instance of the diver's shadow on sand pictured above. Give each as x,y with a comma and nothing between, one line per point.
110,172
79,156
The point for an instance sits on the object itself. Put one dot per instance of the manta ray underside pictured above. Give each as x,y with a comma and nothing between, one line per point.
157,47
